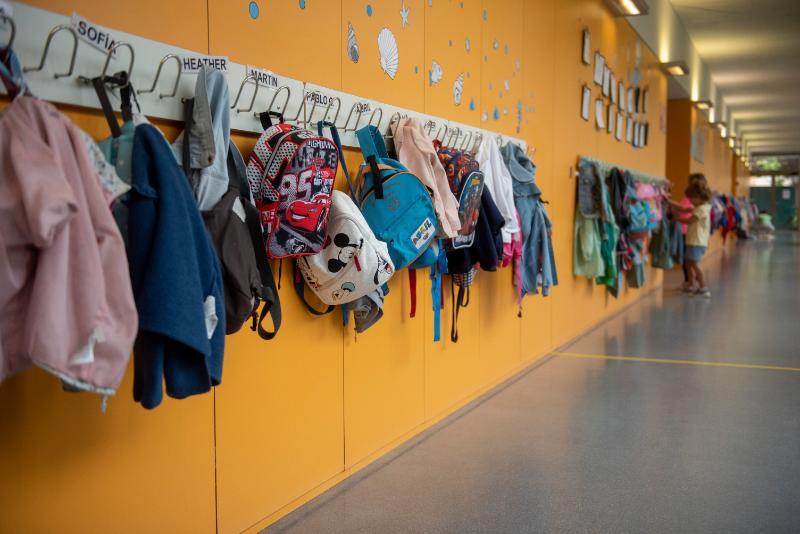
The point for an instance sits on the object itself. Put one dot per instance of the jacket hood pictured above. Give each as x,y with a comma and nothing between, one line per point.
522,169
209,137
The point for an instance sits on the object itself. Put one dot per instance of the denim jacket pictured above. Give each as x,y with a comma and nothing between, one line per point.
537,266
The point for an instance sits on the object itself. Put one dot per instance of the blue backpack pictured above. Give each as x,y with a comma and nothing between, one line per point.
399,209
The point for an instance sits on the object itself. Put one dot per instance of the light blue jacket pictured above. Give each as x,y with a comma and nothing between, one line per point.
538,266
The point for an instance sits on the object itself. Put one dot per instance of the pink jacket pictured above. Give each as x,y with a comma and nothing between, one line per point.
66,303
415,150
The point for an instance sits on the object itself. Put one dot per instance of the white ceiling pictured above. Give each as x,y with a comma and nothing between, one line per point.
752,49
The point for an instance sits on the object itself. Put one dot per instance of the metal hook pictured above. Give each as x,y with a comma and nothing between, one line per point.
395,117
429,126
455,131
239,93
378,110
327,109
478,139
358,118
114,49
467,140
50,36
275,96
6,18
301,109
307,118
439,131
158,75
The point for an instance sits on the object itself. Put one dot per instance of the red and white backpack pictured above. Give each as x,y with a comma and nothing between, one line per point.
291,173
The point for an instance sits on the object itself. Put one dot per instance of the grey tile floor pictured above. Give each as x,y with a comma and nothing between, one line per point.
591,445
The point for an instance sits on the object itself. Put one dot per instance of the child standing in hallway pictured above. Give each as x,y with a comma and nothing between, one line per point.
697,233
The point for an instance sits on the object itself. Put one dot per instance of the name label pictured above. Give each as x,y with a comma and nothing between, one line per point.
94,35
193,63
265,78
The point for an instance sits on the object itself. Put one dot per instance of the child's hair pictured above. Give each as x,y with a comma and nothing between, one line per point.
697,177
698,189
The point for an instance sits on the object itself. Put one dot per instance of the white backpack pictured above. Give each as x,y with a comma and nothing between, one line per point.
352,262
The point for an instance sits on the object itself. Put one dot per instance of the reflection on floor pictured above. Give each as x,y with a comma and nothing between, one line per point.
603,445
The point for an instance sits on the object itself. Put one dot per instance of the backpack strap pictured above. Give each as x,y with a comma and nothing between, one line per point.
265,118
373,147
412,287
299,287
459,302
188,117
338,142
269,293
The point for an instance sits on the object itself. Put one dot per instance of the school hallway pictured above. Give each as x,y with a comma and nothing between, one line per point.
695,429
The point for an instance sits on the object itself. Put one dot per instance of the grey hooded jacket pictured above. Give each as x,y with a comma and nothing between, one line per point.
209,139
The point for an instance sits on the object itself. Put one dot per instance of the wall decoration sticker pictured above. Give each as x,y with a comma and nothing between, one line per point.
496,113
472,104
301,4
435,74
404,12
645,100
518,64
467,45
505,49
586,103
369,10
519,115
621,91
485,15
620,126
495,44
484,117
636,100
458,89
389,54
587,48
599,68
610,119
599,114
352,43
506,84
606,81
629,99
252,9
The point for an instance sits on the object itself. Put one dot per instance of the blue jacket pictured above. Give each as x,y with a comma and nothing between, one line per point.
538,266
176,279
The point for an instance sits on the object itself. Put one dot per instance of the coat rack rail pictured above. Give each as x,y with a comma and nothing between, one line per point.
57,53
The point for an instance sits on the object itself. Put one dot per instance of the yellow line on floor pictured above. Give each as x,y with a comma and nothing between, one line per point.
681,362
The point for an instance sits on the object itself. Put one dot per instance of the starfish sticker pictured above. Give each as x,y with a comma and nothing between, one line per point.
404,12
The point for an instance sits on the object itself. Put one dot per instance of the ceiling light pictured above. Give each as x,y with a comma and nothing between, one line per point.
628,8
704,104
675,68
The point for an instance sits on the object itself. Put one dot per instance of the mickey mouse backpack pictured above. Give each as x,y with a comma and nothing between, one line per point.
353,262
291,173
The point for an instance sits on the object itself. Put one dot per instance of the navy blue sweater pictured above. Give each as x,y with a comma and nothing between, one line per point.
175,276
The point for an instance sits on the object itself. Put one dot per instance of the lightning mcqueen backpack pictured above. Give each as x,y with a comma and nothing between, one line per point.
291,173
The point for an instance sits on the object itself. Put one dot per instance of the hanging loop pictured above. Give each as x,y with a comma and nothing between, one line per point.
158,75
327,109
46,50
275,96
358,117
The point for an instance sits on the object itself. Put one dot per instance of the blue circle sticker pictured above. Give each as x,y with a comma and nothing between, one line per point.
369,10
302,4
253,9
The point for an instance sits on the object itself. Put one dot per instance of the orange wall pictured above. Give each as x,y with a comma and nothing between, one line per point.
296,414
